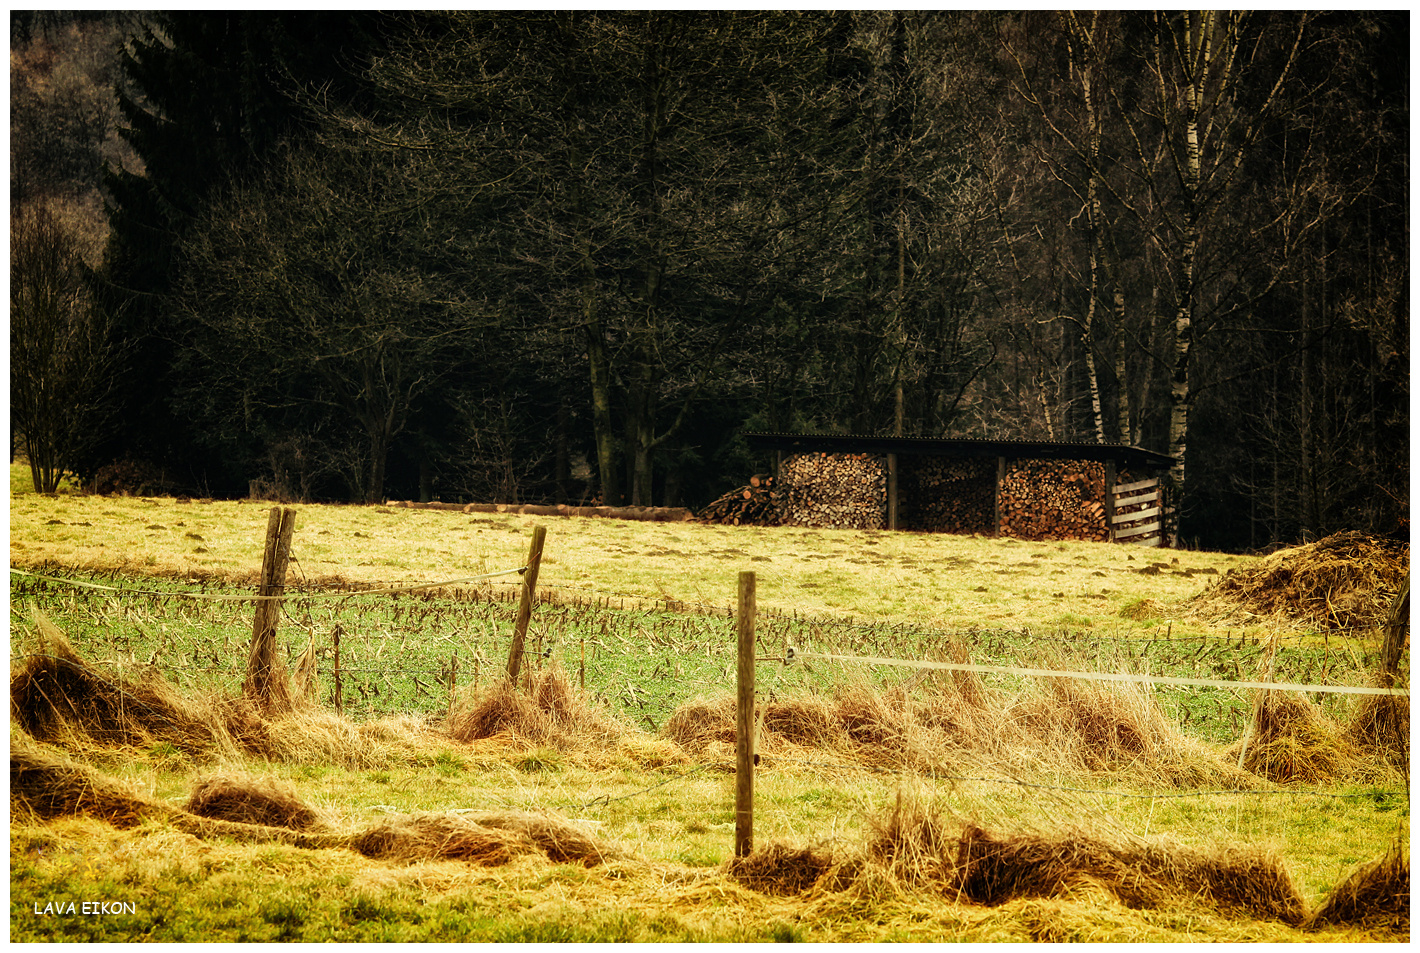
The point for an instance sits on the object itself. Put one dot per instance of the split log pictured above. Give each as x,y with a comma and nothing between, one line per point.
834,490
1053,499
752,505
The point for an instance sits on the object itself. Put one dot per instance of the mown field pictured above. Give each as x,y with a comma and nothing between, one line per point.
636,625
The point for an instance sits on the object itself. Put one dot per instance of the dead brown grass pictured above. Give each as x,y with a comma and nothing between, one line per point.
780,870
1375,894
245,799
486,840
1068,725
559,840
1381,724
440,837
56,694
49,784
1347,580
547,710
993,869
1292,740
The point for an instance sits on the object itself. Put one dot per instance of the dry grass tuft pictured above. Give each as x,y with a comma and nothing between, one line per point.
560,840
1375,894
913,844
1096,725
780,870
1070,725
320,736
808,721
699,723
876,722
1381,723
440,837
51,785
993,869
55,694
249,800
1347,580
487,839
550,711
1291,740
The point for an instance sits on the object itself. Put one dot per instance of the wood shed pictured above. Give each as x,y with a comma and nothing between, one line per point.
1021,488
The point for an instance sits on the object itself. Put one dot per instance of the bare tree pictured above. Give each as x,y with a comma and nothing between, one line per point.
62,360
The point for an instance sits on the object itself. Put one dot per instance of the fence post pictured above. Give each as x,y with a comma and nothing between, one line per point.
266,681
744,721
520,627
453,679
339,692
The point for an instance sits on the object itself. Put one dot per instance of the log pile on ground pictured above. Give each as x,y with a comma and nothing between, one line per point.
834,490
1348,580
756,504
946,495
1053,499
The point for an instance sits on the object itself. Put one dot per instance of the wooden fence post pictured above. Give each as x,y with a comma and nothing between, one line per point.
266,680
339,697
1397,630
453,679
744,721
520,627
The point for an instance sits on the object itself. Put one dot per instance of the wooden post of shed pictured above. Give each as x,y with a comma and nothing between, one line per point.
1109,477
996,496
744,720
892,491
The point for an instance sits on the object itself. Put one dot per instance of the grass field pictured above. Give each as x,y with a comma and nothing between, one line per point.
639,613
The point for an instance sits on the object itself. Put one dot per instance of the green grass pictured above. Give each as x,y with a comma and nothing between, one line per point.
616,619
677,837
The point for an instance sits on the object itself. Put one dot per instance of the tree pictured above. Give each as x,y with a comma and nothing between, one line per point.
204,97
61,358
644,173
318,294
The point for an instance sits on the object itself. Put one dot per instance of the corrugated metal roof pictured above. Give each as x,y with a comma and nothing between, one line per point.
960,447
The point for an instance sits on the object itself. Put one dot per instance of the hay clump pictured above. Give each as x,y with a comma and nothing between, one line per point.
913,844
440,837
992,869
559,840
319,736
1347,580
808,721
1381,723
51,785
1375,894
699,723
1291,740
549,712
780,870
250,800
55,695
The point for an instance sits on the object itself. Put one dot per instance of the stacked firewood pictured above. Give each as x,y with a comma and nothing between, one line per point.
753,505
941,494
834,490
1053,499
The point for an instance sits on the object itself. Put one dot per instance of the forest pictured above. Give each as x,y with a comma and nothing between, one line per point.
575,256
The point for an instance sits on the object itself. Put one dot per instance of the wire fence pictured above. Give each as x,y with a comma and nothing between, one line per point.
412,649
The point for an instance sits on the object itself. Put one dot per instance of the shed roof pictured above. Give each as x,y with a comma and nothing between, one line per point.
1134,457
